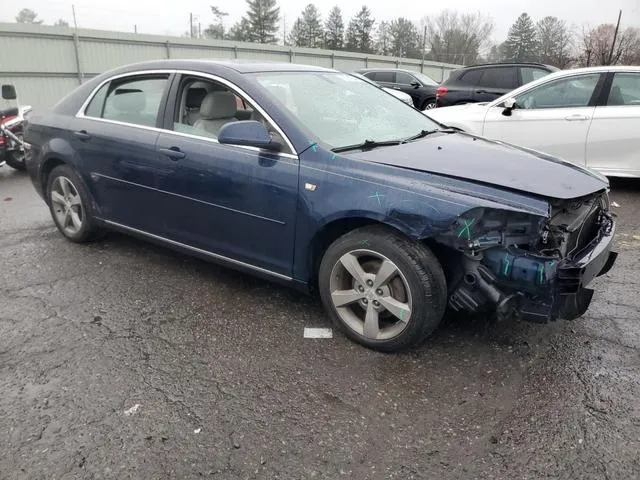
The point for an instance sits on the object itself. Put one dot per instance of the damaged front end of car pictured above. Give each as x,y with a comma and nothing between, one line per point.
533,267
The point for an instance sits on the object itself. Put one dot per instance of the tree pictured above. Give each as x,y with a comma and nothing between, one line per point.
61,23
263,16
334,30
241,31
495,53
597,46
404,38
359,31
522,44
216,29
555,41
457,38
26,15
307,29
383,38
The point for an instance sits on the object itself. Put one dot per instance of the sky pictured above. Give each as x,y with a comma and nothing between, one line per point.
173,18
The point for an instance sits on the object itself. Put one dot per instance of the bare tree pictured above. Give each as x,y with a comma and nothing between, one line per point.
597,46
457,38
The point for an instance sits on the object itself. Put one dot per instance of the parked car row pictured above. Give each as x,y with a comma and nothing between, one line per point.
589,116
322,181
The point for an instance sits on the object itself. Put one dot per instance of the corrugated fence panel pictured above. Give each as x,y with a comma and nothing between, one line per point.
43,61
98,56
37,54
41,92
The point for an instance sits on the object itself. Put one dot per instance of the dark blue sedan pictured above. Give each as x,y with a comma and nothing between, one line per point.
322,181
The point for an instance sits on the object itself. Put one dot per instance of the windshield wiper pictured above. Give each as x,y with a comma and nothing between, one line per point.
424,133
366,145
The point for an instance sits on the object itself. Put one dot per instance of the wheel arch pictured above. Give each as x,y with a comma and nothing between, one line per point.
339,226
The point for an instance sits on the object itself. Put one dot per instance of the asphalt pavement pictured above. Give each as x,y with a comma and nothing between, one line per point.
122,360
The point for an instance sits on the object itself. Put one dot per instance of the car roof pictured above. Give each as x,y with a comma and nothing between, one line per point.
515,64
240,66
385,69
562,74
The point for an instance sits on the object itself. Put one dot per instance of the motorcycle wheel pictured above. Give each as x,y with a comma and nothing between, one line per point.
15,159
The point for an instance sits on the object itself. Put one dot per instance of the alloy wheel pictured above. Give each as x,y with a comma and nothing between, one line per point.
370,294
67,205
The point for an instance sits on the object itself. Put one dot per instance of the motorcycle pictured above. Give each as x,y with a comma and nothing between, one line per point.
12,145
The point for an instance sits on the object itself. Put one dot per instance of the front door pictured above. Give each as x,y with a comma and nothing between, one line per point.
613,143
238,202
553,118
115,140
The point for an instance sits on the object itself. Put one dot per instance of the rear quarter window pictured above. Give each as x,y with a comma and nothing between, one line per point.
470,78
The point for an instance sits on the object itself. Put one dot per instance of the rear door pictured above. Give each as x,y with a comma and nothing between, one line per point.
114,137
461,90
495,82
613,142
553,117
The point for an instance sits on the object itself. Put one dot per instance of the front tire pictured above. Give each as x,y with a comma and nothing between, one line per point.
384,290
70,205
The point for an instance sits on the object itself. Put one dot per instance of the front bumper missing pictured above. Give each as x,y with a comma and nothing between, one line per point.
570,298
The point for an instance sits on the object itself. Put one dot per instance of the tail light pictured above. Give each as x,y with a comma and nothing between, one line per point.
441,91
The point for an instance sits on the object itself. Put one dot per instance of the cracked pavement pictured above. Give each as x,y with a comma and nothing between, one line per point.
228,388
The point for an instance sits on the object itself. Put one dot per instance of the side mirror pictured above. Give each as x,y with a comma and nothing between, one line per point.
416,84
509,104
249,133
9,92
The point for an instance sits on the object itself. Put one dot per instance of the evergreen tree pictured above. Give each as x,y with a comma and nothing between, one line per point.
307,29
522,43
383,38
404,38
334,30
555,41
216,29
241,31
359,32
262,17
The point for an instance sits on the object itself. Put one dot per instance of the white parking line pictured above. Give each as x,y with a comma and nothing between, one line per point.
318,333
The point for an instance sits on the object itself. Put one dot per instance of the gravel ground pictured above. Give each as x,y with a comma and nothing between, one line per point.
124,360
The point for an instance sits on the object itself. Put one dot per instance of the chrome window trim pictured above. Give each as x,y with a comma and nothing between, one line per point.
215,78
196,250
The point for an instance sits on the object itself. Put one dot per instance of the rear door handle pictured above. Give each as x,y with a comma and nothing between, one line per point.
576,118
82,135
174,153
481,91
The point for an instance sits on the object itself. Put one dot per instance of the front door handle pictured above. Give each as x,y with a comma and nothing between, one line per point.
82,135
174,153
576,118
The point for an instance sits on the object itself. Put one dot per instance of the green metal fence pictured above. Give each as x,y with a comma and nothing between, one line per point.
45,62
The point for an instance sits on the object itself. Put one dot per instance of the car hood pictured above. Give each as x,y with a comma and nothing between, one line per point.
490,162
456,110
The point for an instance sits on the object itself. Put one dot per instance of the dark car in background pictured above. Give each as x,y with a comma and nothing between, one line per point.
485,83
331,186
419,86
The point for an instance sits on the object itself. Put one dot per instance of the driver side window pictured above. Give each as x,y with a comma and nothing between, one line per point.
569,92
205,106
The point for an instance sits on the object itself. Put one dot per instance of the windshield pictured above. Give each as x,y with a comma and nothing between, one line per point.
424,79
342,110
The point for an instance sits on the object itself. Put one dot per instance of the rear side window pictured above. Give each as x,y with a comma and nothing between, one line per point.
625,90
470,78
498,77
529,74
134,100
388,77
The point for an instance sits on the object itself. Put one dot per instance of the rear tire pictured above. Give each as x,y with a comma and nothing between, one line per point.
384,290
71,206
429,104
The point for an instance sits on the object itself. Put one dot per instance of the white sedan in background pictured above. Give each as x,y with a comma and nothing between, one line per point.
588,116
